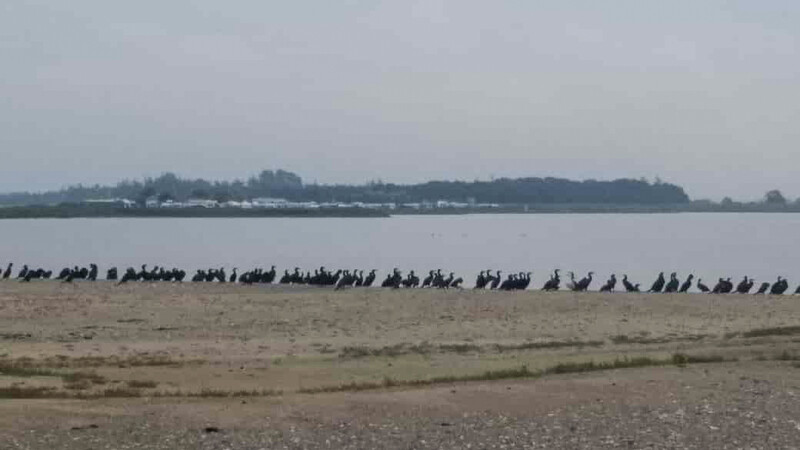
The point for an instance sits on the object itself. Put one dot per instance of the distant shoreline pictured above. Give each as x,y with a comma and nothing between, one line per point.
75,212
71,212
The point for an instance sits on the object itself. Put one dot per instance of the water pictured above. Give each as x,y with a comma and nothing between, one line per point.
641,245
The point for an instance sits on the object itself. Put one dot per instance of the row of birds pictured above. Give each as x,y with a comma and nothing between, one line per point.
435,279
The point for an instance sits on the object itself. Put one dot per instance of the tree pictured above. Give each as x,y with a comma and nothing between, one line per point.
144,194
727,201
774,197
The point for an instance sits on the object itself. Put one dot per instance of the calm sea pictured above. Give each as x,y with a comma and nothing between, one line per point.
709,245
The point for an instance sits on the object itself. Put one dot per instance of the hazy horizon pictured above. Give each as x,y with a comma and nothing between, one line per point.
704,96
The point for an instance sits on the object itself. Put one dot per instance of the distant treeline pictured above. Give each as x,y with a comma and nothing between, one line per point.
283,184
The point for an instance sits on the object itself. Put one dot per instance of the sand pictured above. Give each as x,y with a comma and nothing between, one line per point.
153,365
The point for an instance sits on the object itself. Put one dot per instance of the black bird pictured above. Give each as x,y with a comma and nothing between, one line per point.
456,283
92,276
673,284
370,278
129,275
481,281
763,288
610,284
23,272
779,287
428,280
703,288
233,277
744,286
658,285
507,283
629,287
686,284
797,291
719,288
7,273
495,281
553,283
525,281
111,274
583,285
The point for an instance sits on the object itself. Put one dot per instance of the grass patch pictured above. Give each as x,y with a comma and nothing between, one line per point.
425,348
622,339
78,377
220,393
141,384
546,345
678,359
119,392
66,362
17,392
17,371
775,331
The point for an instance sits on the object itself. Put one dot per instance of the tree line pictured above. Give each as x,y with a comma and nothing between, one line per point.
288,185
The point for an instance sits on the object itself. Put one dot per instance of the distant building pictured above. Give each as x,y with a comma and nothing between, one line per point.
201,203
119,202
266,202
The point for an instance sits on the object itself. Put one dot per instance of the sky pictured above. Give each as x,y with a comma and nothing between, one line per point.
702,94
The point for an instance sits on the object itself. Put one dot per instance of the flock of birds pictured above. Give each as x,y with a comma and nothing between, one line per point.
341,279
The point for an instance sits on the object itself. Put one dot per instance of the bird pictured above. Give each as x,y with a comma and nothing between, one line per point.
7,273
779,287
673,284
686,284
763,288
610,284
571,284
629,287
233,277
744,286
553,283
495,281
370,279
584,283
701,286
481,281
658,285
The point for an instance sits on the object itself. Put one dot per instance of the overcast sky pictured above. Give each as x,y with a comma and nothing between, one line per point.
702,94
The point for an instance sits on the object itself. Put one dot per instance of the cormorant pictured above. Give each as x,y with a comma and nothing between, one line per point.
673,284
779,287
111,274
703,288
553,283
495,281
370,278
481,281
744,286
686,284
658,285
92,273
610,284
583,285
428,280
23,272
763,288
233,277
7,273
629,287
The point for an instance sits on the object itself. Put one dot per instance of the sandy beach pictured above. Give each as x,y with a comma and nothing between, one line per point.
226,366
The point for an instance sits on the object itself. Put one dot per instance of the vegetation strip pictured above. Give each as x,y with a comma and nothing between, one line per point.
677,359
